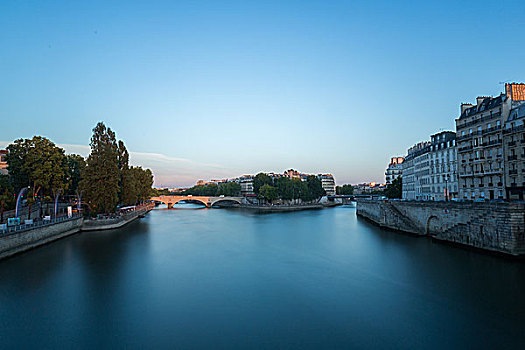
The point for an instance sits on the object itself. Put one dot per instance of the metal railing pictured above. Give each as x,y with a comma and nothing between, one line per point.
7,230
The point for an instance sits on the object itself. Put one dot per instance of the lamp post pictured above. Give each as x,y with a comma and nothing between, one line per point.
446,187
20,195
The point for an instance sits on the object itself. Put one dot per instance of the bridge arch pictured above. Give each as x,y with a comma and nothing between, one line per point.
433,225
227,200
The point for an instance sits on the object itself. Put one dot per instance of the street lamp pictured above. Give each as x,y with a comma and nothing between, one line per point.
446,187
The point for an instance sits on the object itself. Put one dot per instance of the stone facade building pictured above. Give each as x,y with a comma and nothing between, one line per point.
394,170
514,152
443,167
479,137
416,172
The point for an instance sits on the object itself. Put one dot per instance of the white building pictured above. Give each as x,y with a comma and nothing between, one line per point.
416,172
246,182
443,166
328,183
394,170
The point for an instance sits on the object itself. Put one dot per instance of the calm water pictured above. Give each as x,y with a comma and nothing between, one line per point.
215,278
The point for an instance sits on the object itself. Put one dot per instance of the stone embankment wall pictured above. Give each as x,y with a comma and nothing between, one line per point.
492,226
18,242
116,222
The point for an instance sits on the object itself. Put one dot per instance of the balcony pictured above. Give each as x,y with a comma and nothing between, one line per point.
513,172
512,143
512,157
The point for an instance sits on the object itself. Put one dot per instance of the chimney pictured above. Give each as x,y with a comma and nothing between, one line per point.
465,106
479,99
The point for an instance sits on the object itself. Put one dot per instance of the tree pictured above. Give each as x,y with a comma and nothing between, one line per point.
395,188
230,189
7,199
101,176
76,166
123,168
138,188
260,180
268,192
315,187
285,188
15,159
345,190
39,164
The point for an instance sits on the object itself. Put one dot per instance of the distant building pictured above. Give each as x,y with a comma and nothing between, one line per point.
246,182
416,172
3,162
514,149
443,166
394,169
368,188
328,183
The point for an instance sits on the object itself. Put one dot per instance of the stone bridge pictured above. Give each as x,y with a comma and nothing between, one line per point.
206,200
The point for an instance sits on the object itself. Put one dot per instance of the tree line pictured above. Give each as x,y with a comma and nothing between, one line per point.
104,180
229,189
267,188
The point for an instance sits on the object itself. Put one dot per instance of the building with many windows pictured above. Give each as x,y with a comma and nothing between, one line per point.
394,170
328,183
514,152
443,166
416,172
480,148
246,182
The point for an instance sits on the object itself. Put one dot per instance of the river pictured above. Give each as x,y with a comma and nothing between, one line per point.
226,278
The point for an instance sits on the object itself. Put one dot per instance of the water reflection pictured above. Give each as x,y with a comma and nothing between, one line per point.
211,278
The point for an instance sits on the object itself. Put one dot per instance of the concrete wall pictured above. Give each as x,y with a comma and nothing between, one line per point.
20,241
492,226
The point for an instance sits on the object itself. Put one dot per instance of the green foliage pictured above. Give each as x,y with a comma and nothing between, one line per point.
15,159
260,180
268,192
203,190
315,187
138,184
101,176
308,190
38,163
395,188
76,167
123,168
229,189
7,198
345,190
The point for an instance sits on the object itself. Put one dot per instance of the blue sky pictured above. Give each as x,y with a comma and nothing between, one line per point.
210,89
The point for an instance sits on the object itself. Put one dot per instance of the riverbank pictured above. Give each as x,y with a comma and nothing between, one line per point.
117,221
491,226
286,208
14,242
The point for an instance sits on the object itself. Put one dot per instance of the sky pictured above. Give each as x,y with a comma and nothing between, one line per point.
214,89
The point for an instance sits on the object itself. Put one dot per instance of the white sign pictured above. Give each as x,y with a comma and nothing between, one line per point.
69,211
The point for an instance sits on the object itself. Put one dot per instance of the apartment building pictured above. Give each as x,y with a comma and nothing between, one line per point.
394,169
480,147
443,166
514,153
416,172
328,183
